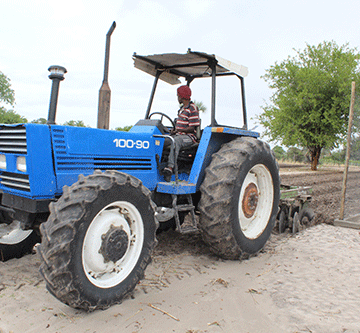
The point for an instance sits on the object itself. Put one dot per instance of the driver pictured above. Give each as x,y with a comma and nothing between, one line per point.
184,133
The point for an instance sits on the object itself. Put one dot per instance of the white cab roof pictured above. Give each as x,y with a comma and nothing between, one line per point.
190,64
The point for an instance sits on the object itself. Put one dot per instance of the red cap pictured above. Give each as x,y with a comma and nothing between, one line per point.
184,92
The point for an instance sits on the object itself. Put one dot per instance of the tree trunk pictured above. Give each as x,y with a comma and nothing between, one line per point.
315,156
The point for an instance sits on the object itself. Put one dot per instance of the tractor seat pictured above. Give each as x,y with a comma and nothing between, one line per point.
185,158
193,148
185,153
188,153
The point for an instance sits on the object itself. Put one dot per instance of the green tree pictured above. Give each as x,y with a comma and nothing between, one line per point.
310,105
11,117
355,148
75,123
7,97
335,157
295,154
201,106
279,152
123,129
39,121
339,156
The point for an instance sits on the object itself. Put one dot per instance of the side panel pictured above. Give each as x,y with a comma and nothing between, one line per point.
83,150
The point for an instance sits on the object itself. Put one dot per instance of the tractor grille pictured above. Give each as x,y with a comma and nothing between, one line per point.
13,140
121,164
15,180
59,141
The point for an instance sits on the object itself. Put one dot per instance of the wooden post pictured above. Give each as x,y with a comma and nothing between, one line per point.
351,116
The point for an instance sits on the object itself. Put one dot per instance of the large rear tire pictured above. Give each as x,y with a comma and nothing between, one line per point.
239,198
98,240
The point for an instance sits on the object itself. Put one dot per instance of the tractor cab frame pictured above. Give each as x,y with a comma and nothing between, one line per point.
192,65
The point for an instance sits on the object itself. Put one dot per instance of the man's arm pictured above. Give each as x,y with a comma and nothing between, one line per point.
190,129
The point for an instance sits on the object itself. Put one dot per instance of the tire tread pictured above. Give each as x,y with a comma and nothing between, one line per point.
59,232
216,195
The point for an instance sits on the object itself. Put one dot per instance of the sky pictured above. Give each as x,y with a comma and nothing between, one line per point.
255,33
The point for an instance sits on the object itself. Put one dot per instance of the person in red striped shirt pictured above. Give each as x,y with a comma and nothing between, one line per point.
184,133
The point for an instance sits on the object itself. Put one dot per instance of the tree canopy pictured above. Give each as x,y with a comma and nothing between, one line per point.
7,97
310,105
200,105
7,94
39,121
124,129
75,123
279,152
11,117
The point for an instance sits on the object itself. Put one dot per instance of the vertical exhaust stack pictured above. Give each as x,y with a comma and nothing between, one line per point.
56,75
105,92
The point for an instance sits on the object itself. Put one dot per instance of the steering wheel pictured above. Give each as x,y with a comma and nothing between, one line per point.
162,116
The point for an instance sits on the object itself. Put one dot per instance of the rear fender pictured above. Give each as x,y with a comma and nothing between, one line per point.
211,141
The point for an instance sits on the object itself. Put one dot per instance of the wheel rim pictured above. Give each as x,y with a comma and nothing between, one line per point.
11,234
256,201
113,244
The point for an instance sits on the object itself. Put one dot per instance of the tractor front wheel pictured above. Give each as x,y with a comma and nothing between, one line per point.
98,240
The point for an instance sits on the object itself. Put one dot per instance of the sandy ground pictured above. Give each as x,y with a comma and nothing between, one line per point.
308,282
303,283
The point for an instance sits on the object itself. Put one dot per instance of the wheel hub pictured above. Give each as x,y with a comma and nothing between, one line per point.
250,200
114,244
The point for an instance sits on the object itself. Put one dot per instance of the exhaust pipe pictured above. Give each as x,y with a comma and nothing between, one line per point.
56,75
105,92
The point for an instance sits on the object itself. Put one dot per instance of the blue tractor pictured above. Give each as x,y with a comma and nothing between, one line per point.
98,197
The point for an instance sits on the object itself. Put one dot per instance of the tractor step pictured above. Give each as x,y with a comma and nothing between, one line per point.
184,208
187,229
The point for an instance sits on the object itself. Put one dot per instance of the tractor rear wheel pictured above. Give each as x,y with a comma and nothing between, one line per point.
239,198
98,240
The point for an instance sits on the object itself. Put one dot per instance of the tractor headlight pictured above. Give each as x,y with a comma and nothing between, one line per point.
2,162
21,163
